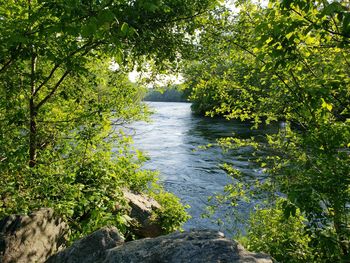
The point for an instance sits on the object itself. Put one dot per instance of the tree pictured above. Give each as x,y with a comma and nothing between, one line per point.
60,103
171,93
288,62
44,43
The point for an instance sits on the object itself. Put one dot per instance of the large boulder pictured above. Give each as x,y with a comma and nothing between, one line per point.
91,248
31,238
195,247
143,210
105,246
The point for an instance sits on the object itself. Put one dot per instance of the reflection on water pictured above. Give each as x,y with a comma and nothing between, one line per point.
172,140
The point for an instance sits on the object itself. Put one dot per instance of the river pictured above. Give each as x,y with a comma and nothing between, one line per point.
172,142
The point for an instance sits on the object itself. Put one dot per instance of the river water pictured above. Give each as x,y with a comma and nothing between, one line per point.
172,142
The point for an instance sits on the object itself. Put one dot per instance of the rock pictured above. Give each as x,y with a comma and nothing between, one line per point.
31,238
36,237
91,248
195,247
106,246
142,210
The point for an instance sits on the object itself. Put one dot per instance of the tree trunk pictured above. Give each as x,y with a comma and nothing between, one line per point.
342,233
32,134
32,116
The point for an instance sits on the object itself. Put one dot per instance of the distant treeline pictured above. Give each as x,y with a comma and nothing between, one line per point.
171,94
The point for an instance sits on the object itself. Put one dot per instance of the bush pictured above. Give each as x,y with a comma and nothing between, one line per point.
283,238
172,214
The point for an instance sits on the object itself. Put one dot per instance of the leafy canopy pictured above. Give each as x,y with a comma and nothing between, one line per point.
287,62
61,106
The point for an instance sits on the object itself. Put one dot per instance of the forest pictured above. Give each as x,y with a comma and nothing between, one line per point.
171,94
65,96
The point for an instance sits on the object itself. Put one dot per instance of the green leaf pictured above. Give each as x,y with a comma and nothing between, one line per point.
124,29
326,105
333,8
289,35
346,24
106,16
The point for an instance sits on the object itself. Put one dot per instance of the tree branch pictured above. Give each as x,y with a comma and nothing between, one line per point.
6,65
88,46
47,79
54,89
324,28
12,58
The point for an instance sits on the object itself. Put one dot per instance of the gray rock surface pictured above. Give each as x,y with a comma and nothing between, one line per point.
38,236
106,246
142,211
91,248
195,247
31,238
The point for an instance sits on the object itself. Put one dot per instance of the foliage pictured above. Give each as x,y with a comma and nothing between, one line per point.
85,161
169,94
286,62
61,104
283,238
171,215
